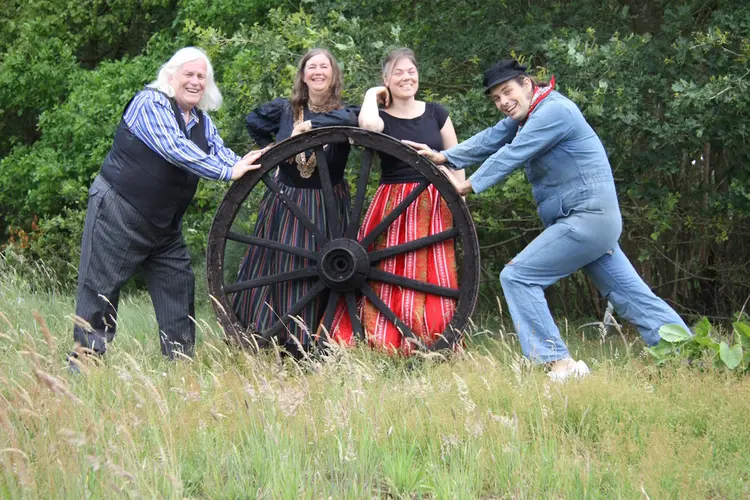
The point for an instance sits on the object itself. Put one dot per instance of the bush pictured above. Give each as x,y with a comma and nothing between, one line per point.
663,83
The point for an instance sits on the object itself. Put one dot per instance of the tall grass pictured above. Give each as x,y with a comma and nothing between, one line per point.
228,424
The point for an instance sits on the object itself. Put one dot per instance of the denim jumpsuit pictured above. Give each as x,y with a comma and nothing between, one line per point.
575,193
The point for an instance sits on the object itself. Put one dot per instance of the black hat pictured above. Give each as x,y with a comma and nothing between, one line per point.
502,72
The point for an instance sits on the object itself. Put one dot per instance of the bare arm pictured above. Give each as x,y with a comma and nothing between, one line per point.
369,116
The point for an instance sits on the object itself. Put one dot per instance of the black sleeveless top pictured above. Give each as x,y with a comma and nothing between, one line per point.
424,129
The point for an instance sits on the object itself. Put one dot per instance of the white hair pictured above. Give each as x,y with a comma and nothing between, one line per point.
211,99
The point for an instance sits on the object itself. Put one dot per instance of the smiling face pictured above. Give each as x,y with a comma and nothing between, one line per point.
318,75
403,78
189,83
513,98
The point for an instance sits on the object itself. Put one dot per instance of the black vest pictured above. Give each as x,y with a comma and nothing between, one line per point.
159,190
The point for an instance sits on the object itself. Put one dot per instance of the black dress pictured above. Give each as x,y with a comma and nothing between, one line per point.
260,308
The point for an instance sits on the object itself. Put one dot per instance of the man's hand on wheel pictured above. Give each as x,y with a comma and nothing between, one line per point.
247,163
437,157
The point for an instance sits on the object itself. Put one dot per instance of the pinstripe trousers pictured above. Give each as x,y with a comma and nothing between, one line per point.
117,240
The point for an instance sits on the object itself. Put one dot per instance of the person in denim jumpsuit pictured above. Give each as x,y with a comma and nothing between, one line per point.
572,183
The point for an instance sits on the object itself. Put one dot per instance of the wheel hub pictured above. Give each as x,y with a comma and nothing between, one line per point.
344,265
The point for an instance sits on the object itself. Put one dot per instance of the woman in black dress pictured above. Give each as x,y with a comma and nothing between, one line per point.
315,102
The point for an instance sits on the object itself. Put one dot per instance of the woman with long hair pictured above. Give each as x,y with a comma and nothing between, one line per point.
315,102
406,118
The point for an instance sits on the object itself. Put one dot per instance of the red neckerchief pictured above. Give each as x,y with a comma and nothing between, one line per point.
539,94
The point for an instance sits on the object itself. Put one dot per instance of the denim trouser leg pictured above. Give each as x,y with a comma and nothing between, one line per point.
617,280
583,240
561,249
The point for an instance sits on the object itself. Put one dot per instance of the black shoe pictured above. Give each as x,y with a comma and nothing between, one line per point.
73,367
76,359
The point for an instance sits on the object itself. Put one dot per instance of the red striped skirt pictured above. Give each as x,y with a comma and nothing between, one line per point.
425,314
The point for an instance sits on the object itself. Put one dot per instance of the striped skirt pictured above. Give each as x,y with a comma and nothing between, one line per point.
425,314
260,308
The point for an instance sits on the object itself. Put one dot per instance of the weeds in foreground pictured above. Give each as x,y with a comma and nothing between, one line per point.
355,423
701,347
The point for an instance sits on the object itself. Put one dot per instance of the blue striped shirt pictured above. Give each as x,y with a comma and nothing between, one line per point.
151,119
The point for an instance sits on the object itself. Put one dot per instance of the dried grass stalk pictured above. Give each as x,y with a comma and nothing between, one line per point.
45,330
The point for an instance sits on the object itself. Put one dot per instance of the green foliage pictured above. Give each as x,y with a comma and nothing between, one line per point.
672,110
702,346
49,180
228,15
44,43
34,75
56,171
57,243
664,84
673,333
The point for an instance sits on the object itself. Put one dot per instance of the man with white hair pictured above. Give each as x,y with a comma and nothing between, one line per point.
165,142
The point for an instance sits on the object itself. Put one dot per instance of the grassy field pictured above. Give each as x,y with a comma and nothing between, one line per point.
483,424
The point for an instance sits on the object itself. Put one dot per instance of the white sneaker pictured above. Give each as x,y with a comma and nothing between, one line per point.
579,369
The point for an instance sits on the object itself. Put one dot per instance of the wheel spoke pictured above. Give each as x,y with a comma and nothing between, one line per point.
313,287
332,213
386,311
325,332
275,245
359,197
351,306
308,272
412,245
393,279
276,328
394,214
295,209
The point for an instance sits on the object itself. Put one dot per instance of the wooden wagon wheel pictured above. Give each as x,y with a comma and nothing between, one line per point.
343,264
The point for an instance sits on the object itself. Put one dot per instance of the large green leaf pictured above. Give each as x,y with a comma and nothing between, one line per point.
673,332
661,352
707,342
742,330
702,328
731,356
